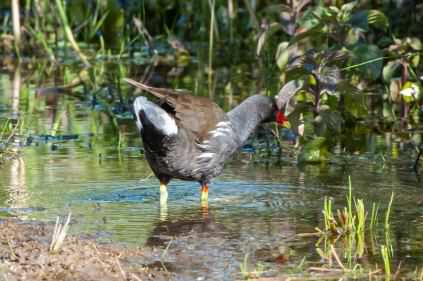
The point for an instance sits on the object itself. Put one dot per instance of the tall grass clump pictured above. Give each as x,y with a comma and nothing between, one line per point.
350,233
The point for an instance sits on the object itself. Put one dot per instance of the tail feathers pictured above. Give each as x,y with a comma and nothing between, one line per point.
151,117
158,92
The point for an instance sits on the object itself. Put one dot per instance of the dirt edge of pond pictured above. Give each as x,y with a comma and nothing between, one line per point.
25,255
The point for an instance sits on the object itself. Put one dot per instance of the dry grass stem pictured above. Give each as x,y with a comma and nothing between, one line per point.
59,234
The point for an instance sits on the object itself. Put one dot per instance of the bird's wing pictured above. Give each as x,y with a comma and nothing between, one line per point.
199,115
222,142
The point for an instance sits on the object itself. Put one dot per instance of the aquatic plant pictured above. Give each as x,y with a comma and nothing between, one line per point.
350,226
248,274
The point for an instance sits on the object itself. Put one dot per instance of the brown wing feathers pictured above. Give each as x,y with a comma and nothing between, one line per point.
196,114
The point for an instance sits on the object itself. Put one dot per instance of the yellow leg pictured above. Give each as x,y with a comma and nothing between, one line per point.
163,201
204,193
204,200
163,194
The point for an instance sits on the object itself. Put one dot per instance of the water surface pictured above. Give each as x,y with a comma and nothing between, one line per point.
256,208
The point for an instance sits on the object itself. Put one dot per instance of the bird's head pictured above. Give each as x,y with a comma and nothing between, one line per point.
284,100
280,116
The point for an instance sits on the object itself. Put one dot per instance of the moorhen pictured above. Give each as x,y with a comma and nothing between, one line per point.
190,137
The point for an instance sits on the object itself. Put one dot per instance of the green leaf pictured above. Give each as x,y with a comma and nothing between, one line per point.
317,30
390,69
387,112
410,92
349,7
378,19
415,60
273,27
277,8
315,151
360,20
297,72
415,43
282,55
356,104
370,55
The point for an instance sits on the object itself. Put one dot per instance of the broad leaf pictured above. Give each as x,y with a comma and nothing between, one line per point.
410,92
415,43
371,58
282,55
378,19
390,69
360,20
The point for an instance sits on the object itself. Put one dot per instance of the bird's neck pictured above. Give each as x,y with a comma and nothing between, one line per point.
249,114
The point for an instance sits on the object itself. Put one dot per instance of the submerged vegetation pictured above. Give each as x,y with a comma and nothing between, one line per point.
8,130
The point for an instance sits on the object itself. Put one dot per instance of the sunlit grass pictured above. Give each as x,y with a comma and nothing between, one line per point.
349,245
250,274
346,233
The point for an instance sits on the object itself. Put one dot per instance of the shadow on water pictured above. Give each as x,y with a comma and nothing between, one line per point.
78,158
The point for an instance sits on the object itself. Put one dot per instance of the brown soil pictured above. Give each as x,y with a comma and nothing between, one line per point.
25,255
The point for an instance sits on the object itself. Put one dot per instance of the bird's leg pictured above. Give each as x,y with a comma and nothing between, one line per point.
204,193
163,200
163,193
204,199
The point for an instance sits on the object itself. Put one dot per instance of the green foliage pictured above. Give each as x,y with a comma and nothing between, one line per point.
314,151
333,51
363,53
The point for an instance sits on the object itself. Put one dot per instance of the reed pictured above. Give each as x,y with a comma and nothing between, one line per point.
386,261
16,26
68,32
211,39
388,211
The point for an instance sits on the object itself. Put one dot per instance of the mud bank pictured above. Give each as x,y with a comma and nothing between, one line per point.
25,255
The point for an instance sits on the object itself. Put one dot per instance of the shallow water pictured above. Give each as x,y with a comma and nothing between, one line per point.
255,209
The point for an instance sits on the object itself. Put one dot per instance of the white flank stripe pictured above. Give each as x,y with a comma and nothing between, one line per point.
206,155
222,124
216,134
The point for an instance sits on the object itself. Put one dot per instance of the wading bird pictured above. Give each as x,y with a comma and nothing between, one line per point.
190,137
